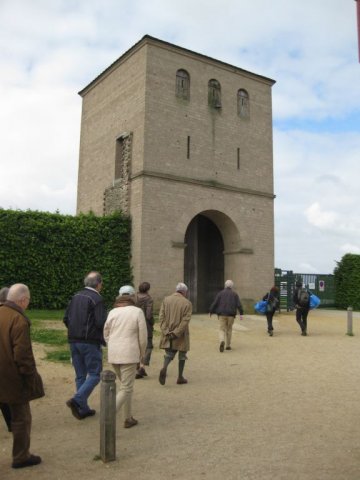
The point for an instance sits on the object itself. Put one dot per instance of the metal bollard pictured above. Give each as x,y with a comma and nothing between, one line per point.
350,322
108,416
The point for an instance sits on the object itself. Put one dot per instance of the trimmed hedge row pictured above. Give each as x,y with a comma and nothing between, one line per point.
51,253
347,282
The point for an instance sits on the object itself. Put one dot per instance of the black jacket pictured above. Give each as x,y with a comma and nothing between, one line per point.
85,317
226,303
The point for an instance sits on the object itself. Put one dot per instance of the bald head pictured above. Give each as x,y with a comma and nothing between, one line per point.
19,294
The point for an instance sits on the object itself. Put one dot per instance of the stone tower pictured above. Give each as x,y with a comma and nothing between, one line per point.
183,143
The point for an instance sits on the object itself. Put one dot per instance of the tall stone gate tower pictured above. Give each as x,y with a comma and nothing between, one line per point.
183,143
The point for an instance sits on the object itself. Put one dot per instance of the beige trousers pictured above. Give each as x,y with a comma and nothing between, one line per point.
126,374
225,329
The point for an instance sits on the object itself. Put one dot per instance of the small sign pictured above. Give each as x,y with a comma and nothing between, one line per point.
321,286
312,286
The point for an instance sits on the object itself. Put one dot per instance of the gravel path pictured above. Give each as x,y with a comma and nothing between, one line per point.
286,407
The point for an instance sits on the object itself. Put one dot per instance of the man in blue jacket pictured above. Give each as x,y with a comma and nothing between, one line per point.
84,318
226,305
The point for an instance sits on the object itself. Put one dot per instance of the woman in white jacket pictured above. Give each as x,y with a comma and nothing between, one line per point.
125,333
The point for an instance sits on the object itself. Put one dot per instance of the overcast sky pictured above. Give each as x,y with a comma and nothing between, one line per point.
51,49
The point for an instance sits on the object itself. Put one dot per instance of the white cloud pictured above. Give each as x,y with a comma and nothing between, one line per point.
349,248
320,218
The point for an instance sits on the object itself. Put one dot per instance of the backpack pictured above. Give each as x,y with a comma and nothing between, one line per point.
303,297
272,302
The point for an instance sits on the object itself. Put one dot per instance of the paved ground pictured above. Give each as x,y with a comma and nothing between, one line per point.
286,407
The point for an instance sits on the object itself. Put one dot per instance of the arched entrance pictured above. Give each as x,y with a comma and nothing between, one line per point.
203,262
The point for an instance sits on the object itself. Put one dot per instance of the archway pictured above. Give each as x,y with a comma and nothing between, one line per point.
203,262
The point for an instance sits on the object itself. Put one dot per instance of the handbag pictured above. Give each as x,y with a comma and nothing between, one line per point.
261,307
314,301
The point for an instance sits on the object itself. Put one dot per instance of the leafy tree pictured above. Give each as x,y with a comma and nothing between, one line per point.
347,282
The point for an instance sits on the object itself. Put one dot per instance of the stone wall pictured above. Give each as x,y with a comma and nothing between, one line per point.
117,196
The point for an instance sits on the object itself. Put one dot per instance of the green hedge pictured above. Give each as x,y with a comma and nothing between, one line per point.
51,253
347,282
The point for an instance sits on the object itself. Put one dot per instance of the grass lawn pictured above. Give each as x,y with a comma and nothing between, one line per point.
47,327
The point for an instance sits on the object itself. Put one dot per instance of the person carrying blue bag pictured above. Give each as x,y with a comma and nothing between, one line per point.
272,304
301,300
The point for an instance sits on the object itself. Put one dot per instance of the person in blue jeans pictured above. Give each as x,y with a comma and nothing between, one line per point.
84,318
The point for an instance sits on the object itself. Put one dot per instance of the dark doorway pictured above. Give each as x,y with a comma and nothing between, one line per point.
203,262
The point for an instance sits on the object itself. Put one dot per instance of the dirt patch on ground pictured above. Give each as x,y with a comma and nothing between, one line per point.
285,407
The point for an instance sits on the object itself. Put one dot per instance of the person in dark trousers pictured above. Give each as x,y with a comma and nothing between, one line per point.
20,381
226,305
85,318
301,300
144,301
272,299
5,409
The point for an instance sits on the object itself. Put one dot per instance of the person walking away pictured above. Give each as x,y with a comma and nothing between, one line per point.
272,298
301,300
226,305
125,333
84,318
174,317
5,409
144,301
20,381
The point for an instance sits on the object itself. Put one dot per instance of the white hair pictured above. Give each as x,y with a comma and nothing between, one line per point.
17,292
229,284
181,287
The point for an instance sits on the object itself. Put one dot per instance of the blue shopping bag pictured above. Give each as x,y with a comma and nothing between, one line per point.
314,301
260,307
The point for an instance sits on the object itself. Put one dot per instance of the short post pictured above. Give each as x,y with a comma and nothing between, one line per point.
108,416
350,322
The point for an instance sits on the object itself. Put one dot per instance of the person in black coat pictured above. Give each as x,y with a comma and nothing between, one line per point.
85,318
301,300
273,302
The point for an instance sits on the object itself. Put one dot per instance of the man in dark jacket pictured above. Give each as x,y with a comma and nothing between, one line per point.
4,407
301,300
84,318
19,379
226,305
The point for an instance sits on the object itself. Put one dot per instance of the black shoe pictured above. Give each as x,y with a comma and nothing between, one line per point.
222,345
130,422
31,461
141,373
303,333
162,376
228,348
75,409
181,381
89,413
